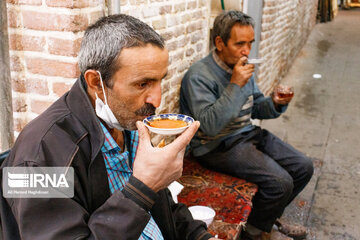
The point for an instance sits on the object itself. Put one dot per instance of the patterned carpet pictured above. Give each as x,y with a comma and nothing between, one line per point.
230,197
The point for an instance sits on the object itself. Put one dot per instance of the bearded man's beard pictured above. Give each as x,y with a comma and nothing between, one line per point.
129,122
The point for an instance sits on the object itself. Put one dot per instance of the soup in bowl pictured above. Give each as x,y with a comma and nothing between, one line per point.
168,124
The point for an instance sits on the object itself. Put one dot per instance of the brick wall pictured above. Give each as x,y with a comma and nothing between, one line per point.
285,28
45,37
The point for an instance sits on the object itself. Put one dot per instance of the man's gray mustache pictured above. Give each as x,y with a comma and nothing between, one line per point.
147,109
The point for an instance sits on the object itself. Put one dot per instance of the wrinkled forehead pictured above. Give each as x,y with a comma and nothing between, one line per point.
148,62
147,54
242,33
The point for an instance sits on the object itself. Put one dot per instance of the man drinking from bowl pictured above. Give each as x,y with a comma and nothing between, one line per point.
120,178
220,91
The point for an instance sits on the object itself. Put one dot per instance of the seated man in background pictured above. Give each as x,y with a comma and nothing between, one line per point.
120,179
220,92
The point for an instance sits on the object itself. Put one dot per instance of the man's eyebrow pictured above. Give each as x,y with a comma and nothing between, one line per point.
150,79
242,42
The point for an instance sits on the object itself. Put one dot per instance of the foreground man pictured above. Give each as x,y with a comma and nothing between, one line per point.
222,94
120,179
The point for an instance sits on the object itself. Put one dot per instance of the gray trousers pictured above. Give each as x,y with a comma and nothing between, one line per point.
279,170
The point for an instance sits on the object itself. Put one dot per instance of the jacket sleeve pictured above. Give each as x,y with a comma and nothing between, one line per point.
123,216
264,106
214,112
186,227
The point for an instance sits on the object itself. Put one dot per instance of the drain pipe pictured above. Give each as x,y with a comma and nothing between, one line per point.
6,115
245,6
222,5
113,6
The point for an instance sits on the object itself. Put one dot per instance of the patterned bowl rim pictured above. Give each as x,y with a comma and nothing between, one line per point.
189,120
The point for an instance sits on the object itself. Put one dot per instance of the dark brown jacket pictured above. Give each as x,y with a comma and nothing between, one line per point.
68,134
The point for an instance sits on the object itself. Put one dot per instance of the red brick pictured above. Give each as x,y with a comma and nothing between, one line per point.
177,58
191,28
19,104
50,67
197,15
39,106
15,64
68,3
170,74
37,86
13,17
182,42
54,22
94,16
18,85
26,43
167,35
191,5
19,124
25,2
165,9
202,3
64,47
61,88
179,7
165,84
196,37
190,52
180,31
199,47
171,46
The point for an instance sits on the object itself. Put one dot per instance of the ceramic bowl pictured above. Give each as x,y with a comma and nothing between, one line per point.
171,116
203,213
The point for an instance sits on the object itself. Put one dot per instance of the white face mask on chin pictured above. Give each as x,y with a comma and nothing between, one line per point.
104,112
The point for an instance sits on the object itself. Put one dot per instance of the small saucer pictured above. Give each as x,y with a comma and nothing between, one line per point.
255,61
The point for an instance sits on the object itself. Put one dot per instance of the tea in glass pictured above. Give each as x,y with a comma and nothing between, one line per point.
283,92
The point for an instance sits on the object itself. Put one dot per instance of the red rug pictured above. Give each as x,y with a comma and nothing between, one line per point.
230,197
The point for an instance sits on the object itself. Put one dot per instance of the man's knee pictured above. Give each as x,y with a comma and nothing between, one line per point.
307,168
286,184
279,188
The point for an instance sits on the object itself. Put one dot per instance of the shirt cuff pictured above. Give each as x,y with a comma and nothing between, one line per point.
273,108
140,193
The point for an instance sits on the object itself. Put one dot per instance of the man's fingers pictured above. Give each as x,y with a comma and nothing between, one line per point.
180,142
144,137
242,61
282,101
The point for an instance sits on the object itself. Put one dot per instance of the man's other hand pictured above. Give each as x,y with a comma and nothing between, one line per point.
242,72
281,101
158,167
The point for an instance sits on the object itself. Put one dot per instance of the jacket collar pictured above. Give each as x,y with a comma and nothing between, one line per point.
220,62
80,105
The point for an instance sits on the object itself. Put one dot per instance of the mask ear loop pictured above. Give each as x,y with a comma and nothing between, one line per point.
102,87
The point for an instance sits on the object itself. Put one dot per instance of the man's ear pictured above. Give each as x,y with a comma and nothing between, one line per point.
92,79
219,44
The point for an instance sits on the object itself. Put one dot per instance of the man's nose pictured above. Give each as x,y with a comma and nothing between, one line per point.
154,96
246,50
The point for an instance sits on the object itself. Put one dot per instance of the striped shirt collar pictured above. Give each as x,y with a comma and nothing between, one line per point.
111,148
220,62
109,143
